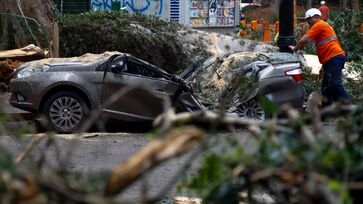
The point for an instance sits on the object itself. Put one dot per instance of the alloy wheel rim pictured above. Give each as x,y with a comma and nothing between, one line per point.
251,109
65,113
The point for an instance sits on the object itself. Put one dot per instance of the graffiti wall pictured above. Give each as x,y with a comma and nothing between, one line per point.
151,7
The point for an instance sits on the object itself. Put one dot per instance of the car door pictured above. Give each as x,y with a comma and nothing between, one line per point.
134,91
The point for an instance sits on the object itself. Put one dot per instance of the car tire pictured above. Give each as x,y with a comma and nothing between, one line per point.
66,111
251,109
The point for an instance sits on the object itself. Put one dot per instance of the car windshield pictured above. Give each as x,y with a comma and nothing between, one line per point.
139,69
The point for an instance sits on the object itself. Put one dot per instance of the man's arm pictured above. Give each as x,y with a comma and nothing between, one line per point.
299,45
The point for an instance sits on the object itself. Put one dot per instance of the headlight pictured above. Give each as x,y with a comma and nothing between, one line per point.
28,71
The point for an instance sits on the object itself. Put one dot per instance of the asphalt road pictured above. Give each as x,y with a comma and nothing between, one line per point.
100,152
91,155
93,152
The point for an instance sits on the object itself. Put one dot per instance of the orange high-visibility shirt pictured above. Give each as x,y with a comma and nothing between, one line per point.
326,41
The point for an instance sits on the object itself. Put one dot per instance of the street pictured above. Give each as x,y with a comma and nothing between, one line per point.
93,152
97,152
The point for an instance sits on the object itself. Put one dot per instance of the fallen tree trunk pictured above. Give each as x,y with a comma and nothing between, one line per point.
25,54
20,16
11,59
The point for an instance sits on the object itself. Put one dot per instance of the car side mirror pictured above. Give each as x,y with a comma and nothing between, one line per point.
117,63
118,67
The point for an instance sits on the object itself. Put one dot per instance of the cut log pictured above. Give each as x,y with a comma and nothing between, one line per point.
25,54
186,200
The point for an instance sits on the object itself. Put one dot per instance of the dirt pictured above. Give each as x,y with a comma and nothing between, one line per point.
6,69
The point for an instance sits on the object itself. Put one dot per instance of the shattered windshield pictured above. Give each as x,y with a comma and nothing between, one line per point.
277,57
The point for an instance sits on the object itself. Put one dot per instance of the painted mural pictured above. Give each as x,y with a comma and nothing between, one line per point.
151,7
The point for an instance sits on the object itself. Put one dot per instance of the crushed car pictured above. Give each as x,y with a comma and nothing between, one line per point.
66,90
239,82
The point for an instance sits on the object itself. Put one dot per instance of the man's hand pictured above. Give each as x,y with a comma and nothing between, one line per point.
292,48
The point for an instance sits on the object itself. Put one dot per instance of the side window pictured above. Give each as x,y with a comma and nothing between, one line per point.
132,68
138,69
102,66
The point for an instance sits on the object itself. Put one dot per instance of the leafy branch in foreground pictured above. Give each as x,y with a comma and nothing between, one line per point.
291,163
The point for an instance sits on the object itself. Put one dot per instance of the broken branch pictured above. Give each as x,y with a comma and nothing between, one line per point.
175,143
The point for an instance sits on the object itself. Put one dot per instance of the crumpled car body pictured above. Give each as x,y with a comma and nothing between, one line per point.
119,86
124,87
239,81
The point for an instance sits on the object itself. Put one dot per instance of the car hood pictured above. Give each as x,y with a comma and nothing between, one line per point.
81,63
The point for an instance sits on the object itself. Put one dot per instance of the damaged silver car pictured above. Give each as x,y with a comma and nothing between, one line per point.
126,88
122,86
240,81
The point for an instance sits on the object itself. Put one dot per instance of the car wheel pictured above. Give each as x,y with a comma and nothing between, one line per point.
251,109
66,111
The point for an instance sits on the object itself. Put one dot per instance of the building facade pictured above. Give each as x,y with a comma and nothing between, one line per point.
194,13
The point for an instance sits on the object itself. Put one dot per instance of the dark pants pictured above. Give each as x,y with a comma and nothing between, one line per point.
332,88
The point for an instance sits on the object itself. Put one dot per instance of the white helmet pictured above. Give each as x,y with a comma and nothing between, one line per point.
312,12
322,2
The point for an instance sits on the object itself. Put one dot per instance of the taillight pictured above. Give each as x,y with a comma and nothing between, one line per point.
296,74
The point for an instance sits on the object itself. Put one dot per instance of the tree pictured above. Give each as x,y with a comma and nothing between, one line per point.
20,16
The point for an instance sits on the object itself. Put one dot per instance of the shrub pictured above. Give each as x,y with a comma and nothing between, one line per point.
347,30
149,38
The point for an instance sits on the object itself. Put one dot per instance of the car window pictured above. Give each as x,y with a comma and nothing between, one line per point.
102,66
141,70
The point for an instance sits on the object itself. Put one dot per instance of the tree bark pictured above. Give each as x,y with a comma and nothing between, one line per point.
343,4
310,4
354,5
265,2
40,10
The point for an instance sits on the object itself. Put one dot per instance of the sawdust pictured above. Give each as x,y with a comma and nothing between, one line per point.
212,82
86,58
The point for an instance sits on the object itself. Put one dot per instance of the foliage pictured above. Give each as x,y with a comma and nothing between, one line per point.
147,37
284,159
311,83
212,172
289,160
301,29
354,87
249,32
347,30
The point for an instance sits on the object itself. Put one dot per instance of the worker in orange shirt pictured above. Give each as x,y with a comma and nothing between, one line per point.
330,55
324,9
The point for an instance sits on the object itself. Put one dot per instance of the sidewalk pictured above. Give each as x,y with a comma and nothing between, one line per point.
312,61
